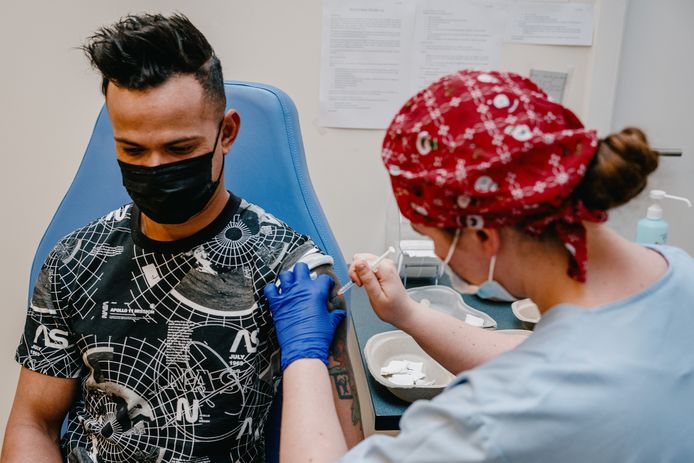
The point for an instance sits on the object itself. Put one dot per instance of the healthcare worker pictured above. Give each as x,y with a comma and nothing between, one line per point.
502,178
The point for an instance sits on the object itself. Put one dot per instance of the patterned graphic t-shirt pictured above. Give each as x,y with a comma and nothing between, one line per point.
172,342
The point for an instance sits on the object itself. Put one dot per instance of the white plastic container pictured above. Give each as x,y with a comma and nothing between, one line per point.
383,348
527,312
447,300
521,333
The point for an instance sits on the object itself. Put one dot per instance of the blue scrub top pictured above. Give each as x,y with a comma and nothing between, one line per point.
610,384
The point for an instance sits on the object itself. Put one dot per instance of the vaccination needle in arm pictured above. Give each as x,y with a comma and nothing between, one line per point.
373,266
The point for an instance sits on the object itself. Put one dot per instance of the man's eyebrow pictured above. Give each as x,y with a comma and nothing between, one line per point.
125,141
171,142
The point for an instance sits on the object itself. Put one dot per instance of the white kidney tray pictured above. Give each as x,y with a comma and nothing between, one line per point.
449,301
382,348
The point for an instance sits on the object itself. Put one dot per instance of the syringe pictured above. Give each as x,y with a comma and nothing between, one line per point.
373,267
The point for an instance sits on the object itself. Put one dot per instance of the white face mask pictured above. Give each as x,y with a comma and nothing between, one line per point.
490,289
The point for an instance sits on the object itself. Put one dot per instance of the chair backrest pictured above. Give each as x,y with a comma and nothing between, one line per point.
266,166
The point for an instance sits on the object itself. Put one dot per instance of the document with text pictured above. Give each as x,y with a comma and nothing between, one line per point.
551,23
377,53
364,62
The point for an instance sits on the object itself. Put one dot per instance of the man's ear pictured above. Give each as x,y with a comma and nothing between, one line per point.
490,240
230,129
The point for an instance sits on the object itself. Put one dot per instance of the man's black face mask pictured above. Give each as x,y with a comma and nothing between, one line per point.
172,193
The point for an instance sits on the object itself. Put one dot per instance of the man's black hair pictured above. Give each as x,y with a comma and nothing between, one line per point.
143,51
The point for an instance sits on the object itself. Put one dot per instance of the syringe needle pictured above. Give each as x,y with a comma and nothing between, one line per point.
373,267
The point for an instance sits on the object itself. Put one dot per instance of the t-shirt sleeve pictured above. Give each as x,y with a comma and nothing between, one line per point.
311,255
318,263
430,431
48,343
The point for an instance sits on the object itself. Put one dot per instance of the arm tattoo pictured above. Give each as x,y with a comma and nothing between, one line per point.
339,368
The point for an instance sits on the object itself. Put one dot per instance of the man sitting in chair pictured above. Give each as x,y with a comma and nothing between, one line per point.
149,327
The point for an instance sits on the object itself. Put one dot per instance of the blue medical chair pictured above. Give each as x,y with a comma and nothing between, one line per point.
266,166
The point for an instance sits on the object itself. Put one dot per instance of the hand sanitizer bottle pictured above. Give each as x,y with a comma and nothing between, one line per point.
652,229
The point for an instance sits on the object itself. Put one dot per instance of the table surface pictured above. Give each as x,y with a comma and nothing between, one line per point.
387,408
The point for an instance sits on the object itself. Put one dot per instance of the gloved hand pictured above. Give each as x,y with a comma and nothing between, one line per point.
299,309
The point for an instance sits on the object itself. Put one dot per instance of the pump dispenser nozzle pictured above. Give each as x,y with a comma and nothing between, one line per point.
660,194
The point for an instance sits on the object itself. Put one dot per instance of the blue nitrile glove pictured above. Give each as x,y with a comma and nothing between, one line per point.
299,308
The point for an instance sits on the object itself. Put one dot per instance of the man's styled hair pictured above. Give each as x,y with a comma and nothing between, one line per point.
143,51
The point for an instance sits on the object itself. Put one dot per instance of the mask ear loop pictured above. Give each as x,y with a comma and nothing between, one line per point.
492,264
216,141
451,251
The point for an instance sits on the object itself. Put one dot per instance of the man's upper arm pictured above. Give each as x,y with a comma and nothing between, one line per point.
42,400
33,429
340,370
50,363
339,364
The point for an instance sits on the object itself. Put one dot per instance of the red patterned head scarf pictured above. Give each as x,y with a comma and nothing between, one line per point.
489,149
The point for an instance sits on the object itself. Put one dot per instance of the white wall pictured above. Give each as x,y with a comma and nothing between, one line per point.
655,93
49,99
